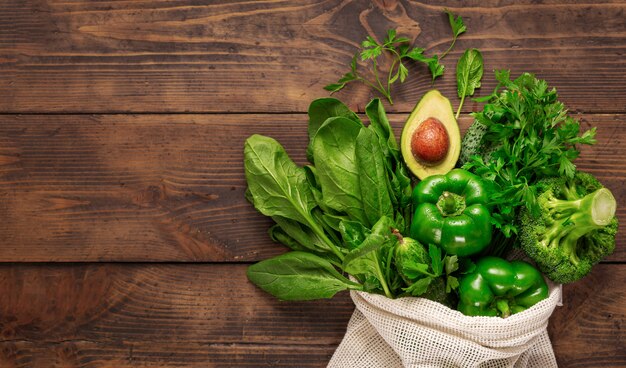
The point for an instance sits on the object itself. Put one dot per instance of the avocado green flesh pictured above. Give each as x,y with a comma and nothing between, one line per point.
434,105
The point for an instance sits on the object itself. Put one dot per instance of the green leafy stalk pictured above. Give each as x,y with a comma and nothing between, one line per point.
299,276
469,72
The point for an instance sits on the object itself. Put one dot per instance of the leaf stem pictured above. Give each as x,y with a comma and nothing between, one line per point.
320,232
367,82
383,280
448,50
388,265
390,74
382,89
458,111
373,86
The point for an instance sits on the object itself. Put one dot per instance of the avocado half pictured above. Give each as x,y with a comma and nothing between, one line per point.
432,105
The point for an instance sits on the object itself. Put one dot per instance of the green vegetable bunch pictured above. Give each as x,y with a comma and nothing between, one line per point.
346,215
522,135
340,213
524,142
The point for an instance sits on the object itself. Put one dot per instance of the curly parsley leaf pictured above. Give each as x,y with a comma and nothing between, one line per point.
456,23
529,136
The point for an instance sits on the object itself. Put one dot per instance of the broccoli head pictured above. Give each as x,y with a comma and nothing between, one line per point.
575,230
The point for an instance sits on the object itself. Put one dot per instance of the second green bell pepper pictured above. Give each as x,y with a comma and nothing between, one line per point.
500,288
452,212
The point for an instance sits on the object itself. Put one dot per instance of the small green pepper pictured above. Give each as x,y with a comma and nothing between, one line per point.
500,288
452,212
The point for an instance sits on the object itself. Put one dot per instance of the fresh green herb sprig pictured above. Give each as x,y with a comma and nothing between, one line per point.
458,27
399,50
527,136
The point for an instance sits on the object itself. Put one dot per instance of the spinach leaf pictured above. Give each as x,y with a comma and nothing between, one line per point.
278,187
311,177
334,147
299,276
375,112
279,235
353,233
370,258
469,72
373,181
303,235
319,111
398,179
304,239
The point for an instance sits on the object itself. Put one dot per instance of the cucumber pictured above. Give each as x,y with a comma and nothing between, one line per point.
472,144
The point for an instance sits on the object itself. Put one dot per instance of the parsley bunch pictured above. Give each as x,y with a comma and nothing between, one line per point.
400,51
529,136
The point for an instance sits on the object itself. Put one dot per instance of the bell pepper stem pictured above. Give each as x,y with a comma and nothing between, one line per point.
503,307
451,204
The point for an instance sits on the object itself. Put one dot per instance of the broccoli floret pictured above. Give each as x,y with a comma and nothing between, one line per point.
575,230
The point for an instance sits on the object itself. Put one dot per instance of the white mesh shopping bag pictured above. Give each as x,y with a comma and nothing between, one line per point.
417,332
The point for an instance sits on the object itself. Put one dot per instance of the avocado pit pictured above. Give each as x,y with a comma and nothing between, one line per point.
430,142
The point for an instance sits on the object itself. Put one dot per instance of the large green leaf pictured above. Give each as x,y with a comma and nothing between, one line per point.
299,276
370,258
300,233
321,110
334,148
469,72
277,186
375,112
373,180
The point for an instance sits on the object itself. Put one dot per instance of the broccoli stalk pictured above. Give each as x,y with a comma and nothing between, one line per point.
575,230
576,218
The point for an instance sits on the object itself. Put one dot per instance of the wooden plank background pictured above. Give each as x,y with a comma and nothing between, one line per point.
124,233
109,187
204,56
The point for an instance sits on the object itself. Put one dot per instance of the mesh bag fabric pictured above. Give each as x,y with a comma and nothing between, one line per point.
417,332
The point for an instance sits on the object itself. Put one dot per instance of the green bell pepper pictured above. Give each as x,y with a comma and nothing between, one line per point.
452,212
500,288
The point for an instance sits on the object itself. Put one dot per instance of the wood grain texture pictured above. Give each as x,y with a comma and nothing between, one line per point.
171,187
89,354
275,56
169,315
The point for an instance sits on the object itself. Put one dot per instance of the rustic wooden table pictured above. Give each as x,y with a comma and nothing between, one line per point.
124,232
